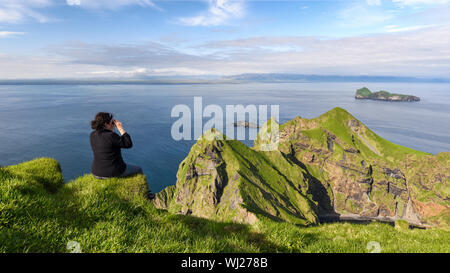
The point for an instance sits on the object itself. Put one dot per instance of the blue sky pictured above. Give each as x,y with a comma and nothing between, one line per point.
139,38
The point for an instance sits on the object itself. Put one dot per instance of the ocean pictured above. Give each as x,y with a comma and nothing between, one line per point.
53,120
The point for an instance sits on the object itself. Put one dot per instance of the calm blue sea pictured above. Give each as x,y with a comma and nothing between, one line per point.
53,120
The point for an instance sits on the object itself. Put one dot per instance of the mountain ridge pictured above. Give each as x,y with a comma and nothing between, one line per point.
329,166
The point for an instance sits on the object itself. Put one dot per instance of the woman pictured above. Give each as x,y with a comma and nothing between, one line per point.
106,145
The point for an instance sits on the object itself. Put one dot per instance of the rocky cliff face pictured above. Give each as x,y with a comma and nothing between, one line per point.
228,181
328,167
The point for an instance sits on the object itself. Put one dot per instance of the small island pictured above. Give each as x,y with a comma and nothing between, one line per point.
365,93
245,124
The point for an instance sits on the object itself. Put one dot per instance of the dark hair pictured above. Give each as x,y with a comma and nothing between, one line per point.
100,119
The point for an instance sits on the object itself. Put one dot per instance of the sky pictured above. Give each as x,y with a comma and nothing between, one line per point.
119,39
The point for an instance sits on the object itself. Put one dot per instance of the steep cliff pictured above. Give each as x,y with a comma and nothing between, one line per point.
328,167
226,180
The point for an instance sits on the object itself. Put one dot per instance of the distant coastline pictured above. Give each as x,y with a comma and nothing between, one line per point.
234,79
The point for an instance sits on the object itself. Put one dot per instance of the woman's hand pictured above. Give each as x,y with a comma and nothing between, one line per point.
119,126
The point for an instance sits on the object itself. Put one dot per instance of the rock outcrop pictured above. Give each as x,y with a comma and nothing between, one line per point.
332,166
228,181
365,93
245,124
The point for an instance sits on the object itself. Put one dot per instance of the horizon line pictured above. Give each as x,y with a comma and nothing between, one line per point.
218,79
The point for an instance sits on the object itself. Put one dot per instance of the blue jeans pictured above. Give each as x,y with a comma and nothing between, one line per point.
129,171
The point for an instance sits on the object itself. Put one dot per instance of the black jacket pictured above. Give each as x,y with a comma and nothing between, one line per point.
106,146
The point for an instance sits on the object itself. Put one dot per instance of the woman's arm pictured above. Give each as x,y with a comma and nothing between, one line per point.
119,126
123,141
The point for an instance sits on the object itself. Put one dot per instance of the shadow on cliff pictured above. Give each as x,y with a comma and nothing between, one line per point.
222,232
251,205
318,191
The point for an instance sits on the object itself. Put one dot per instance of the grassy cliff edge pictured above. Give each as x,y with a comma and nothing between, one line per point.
39,213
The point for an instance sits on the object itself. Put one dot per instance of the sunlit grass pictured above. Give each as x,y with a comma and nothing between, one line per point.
38,213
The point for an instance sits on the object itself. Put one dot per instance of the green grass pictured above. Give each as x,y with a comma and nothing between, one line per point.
267,183
39,213
301,180
336,120
365,92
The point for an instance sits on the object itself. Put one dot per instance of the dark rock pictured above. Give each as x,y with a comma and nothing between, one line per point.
245,124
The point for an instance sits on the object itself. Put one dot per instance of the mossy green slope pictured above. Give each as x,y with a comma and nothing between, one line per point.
324,167
225,180
363,92
38,213
369,176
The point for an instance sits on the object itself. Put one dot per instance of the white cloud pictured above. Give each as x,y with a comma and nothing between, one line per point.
391,26
110,4
409,2
219,12
16,67
4,34
411,28
179,71
73,2
421,50
122,55
358,14
373,2
118,73
419,2
17,11
142,72
424,52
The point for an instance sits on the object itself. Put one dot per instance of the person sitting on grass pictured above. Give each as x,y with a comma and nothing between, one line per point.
106,146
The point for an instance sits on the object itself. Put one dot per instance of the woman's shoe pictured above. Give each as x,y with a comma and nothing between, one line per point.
150,195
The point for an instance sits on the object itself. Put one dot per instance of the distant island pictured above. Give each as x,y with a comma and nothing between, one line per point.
365,93
245,124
